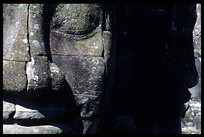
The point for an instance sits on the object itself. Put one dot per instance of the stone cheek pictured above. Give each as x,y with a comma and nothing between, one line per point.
15,42
38,74
85,77
14,76
69,44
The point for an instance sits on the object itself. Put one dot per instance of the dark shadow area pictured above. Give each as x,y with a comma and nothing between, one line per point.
48,12
58,108
151,77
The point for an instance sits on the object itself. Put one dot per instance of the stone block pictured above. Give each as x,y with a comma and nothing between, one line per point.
15,42
38,72
8,106
36,32
14,76
85,75
43,129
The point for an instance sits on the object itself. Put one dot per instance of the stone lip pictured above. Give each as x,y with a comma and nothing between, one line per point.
50,106
48,114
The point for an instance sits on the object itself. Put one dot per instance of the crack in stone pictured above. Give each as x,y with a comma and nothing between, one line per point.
28,47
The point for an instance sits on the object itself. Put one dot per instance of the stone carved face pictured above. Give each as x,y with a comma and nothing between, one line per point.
55,60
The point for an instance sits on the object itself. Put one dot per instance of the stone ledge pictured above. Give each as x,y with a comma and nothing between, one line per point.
43,129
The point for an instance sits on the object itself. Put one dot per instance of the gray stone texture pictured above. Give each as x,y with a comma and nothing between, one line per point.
85,77
76,29
14,76
43,129
36,32
69,44
77,18
197,29
38,72
15,41
8,106
63,61
57,77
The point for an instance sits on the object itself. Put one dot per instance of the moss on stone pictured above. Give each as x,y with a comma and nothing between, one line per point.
15,43
77,18
36,32
14,76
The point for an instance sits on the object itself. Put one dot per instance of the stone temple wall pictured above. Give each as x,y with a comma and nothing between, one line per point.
57,59
97,68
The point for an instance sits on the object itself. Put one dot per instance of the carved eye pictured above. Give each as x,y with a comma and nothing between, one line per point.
77,18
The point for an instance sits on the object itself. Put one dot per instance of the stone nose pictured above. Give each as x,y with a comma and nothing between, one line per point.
32,79
43,76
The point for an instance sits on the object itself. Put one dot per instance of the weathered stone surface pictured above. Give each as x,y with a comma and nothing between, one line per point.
44,129
62,43
196,91
107,41
191,123
161,35
77,18
197,29
52,106
92,106
38,74
36,32
85,77
76,29
8,106
15,42
57,77
14,76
